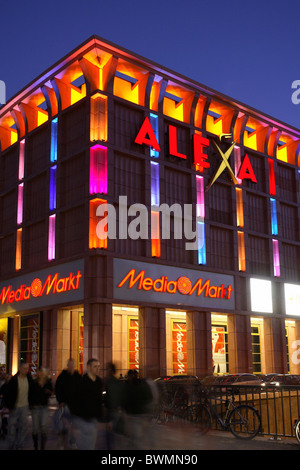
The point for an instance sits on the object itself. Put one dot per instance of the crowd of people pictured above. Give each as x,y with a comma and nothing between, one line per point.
83,401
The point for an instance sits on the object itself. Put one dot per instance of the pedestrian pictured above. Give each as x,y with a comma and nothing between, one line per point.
41,391
89,411
136,396
112,403
17,398
4,412
67,393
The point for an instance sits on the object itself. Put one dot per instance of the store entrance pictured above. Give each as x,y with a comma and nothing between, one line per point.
125,342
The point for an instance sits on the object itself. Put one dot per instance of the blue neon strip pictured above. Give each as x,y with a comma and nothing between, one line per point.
274,217
52,192
155,198
53,151
154,125
201,243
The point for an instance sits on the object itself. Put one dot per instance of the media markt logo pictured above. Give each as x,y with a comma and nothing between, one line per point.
2,92
52,285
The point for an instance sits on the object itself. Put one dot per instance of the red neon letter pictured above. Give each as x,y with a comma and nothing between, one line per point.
200,157
146,130
246,171
173,143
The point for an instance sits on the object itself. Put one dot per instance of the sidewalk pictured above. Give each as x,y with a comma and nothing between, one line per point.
166,437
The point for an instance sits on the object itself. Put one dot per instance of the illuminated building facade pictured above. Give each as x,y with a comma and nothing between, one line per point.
104,124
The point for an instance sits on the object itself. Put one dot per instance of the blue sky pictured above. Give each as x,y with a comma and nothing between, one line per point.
248,51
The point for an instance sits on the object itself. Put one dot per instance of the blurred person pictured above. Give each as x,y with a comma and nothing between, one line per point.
67,394
89,411
136,396
152,408
17,397
41,391
112,403
4,412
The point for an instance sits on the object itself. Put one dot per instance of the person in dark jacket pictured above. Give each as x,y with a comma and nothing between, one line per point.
67,394
89,412
112,403
136,397
17,398
41,392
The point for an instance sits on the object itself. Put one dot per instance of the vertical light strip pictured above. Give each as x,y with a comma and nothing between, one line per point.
52,189
20,204
237,162
51,238
154,125
200,213
239,208
98,169
155,197
155,193
155,234
201,242
272,185
240,224
200,196
18,250
276,261
274,224
96,241
21,159
18,263
98,118
241,251
53,151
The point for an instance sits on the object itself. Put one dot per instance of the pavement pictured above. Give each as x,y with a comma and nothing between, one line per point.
161,437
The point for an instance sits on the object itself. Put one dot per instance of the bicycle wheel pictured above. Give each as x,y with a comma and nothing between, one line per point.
244,422
297,430
200,417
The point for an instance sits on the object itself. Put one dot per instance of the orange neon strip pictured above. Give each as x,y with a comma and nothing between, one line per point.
155,234
241,247
239,208
94,240
19,249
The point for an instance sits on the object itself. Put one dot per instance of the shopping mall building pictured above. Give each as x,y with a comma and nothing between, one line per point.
148,220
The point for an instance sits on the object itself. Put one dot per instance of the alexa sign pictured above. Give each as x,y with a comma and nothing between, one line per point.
145,282
146,136
58,284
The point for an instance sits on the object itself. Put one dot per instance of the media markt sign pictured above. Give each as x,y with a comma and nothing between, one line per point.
157,283
57,284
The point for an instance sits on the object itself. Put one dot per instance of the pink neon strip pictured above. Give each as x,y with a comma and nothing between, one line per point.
98,170
20,204
21,159
51,238
200,196
276,261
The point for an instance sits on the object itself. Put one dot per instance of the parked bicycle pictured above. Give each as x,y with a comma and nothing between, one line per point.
297,429
242,420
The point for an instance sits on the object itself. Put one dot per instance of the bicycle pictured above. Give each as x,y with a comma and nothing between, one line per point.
243,420
297,429
175,411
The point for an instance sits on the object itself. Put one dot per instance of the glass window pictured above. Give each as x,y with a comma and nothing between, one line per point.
220,344
256,348
29,340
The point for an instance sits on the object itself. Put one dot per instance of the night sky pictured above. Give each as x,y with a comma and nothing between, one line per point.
246,50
